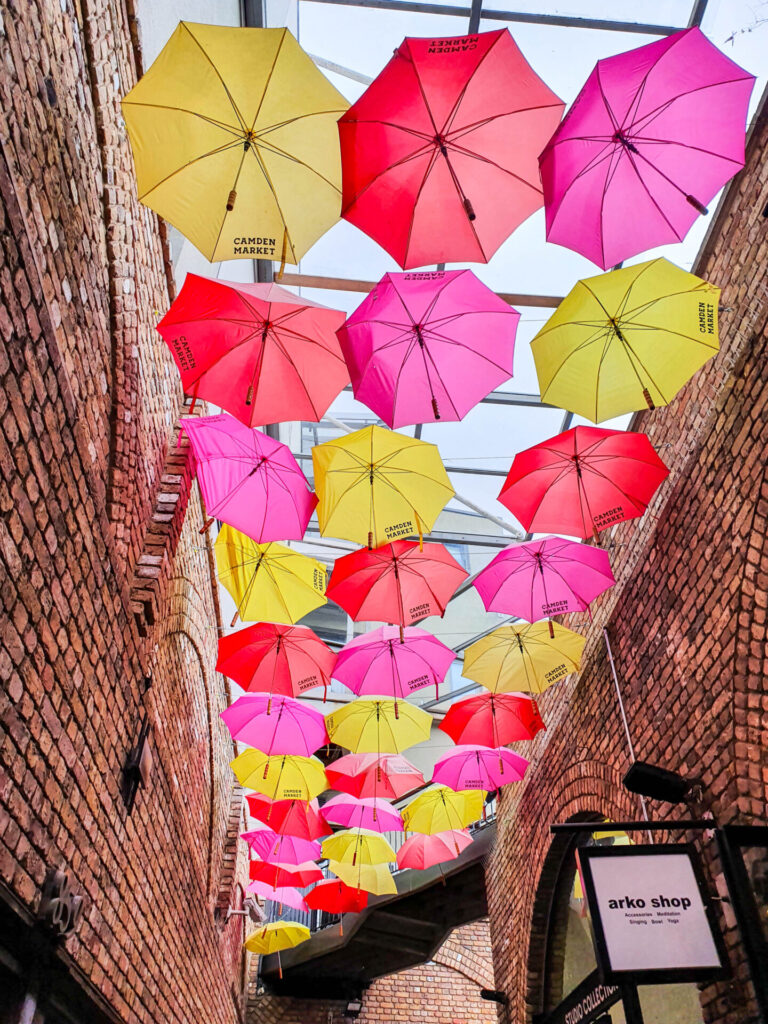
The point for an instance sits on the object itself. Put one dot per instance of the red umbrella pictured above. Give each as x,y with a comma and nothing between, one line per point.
269,657
276,875
422,851
335,897
439,155
289,817
256,350
374,775
492,719
398,583
582,481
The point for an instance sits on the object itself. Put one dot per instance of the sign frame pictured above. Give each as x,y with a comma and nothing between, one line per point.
651,976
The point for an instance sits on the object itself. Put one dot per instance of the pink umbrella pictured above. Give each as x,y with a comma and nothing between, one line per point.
651,138
276,724
370,813
421,851
280,849
380,662
428,346
474,767
285,894
545,577
249,480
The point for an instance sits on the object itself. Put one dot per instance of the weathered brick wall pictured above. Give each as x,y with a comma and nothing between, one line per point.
687,621
103,575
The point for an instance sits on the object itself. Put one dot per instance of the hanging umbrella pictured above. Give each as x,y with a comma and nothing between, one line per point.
373,878
397,583
376,485
283,849
257,350
440,809
248,479
274,658
439,153
278,875
380,662
268,581
523,657
374,775
282,895
358,845
471,766
335,897
234,141
651,138
423,851
546,577
367,813
281,777
626,340
426,347
378,725
275,725
299,818
584,480
492,719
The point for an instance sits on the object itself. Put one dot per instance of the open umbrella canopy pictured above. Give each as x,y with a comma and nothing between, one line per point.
387,776
397,583
583,480
275,725
373,878
336,897
249,480
281,849
471,766
381,662
440,809
362,812
299,818
428,346
439,153
423,851
271,938
284,874
492,719
268,581
546,577
234,140
378,725
358,845
285,895
280,777
651,138
377,485
626,340
271,657
257,350
523,657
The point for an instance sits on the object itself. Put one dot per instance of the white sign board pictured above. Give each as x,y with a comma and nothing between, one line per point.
649,913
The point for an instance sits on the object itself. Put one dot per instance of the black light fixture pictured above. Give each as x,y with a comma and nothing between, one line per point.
138,767
493,995
656,783
353,1009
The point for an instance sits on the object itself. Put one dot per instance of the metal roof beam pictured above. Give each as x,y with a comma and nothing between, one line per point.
339,69
306,457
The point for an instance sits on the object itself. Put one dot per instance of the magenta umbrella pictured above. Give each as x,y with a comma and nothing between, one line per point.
249,480
475,767
380,662
280,849
370,813
542,578
284,895
651,138
275,724
428,346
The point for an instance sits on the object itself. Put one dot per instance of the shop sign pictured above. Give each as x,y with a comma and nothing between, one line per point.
586,1003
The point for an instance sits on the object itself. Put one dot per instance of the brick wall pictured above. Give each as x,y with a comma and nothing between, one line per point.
104,577
687,621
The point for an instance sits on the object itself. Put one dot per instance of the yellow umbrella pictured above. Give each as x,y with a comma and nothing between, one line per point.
235,143
440,809
523,657
358,846
281,776
268,582
378,725
376,486
271,938
374,878
627,339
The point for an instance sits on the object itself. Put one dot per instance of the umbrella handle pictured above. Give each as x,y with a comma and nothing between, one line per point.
231,200
279,965
341,927
551,630
698,207
370,540
235,617
207,525
470,209
648,399
435,409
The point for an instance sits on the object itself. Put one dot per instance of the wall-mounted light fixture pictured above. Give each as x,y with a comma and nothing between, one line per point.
138,767
250,909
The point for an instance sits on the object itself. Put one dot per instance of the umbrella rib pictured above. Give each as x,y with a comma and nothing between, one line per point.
234,106
183,110
268,80
463,91
686,145
390,167
649,115
195,160
469,128
493,163
273,190
270,147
